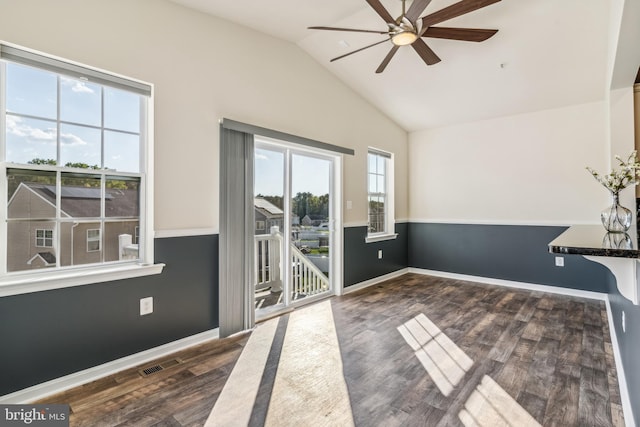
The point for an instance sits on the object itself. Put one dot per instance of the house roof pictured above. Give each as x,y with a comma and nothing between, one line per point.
267,208
82,202
47,257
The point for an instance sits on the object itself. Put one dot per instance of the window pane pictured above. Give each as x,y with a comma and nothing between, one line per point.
373,184
80,147
119,244
269,176
23,253
80,196
372,163
31,140
376,214
31,91
122,197
381,186
74,243
121,152
31,195
380,165
80,102
121,110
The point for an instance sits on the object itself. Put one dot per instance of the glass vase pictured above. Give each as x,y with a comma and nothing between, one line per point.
616,218
617,241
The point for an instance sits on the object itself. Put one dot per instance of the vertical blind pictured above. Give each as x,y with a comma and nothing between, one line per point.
236,232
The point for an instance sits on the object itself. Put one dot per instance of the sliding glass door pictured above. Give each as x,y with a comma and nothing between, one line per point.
294,225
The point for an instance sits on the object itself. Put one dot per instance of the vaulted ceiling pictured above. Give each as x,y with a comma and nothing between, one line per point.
546,54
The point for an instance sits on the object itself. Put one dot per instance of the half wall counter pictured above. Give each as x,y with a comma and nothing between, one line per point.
617,251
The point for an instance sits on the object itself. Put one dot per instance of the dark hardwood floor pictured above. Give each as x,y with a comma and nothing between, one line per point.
551,354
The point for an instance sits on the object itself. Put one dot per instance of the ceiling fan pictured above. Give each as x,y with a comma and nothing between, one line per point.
409,28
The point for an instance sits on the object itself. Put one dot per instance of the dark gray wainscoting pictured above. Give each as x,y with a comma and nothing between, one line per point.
361,259
46,335
510,252
628,342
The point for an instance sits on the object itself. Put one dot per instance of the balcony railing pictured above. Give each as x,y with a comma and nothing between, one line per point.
267,255
126,248
306,279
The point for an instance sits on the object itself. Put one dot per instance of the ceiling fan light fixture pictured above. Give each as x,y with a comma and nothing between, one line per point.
404,38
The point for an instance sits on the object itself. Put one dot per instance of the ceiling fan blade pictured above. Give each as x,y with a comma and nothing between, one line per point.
425,52
464,34
380,10
359,50
456,9
416,8
355,30
387,58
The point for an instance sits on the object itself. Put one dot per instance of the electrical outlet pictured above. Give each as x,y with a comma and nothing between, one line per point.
559,261
624,323
349,204
146,306
379,253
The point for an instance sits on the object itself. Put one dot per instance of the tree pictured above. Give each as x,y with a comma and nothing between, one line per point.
16,176
38,161
80,165
317,207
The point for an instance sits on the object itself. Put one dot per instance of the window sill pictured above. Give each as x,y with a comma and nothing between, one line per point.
380,237
26,283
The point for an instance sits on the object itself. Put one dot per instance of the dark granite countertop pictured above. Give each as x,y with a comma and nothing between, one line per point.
594,240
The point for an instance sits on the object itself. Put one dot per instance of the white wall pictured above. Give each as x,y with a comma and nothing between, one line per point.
624,33
523,169
622,132
636,115
204,69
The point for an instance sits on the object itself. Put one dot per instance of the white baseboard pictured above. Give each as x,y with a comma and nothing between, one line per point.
373,281
512,284
76,379
622,379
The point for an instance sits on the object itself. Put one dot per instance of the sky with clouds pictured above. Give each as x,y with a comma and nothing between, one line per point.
32,132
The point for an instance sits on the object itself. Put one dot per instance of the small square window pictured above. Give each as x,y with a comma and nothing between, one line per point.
44,238
93,240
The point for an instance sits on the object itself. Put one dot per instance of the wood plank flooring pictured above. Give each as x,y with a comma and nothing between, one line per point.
548,355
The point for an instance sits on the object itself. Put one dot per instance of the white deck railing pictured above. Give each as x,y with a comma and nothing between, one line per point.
267,257
307,279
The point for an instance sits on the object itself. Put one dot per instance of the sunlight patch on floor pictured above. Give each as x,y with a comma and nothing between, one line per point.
443,360
310,388
490,406
235,403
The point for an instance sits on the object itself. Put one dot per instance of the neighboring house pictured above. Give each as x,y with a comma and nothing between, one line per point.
83,240
267,215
